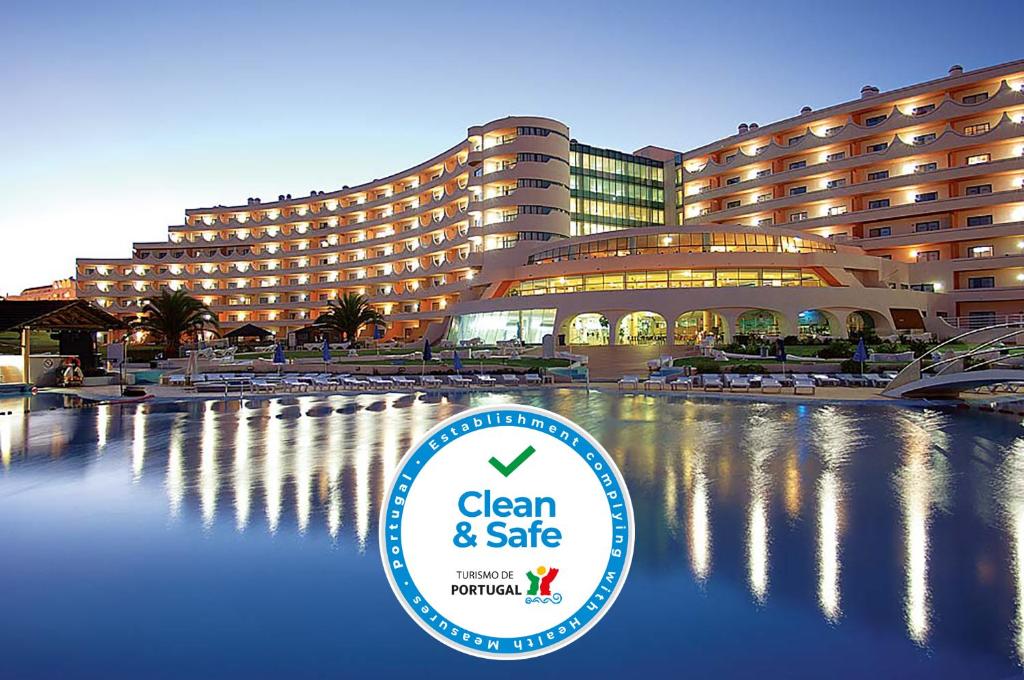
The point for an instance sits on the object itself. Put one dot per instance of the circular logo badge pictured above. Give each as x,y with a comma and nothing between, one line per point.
507,532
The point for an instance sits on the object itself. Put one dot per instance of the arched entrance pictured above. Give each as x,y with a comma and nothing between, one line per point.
699,326
860,322
815,323
588,329
758,323
642,328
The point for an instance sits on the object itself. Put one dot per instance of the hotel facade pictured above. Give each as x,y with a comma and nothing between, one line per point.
900,211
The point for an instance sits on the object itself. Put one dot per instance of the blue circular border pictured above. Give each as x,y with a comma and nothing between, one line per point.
415,460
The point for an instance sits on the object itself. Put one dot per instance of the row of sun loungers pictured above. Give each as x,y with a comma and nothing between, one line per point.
227,383
774,383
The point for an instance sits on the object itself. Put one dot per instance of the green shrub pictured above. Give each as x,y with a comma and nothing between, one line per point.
700,364
839,349
750,369
850,366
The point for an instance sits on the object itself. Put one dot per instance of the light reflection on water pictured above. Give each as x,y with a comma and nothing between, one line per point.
828,520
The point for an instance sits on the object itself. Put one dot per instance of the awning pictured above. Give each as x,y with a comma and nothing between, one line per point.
55,315
248,331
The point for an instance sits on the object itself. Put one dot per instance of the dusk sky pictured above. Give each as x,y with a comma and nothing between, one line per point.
116,117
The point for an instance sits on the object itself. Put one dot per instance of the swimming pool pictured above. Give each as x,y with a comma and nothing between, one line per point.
238,539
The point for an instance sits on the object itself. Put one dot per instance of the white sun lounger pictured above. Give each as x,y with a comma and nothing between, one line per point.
260,385
739,382
510,379
486,380
532,378
653,382
355,382
681,383
851,380
629,381
803,384
459,381
783,379
430,381
823,380
295,385
401,381
712,383
769,384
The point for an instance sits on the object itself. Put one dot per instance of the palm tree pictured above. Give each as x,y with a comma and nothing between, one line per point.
349,314
173,315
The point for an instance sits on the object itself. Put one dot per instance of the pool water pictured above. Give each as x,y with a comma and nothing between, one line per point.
228,539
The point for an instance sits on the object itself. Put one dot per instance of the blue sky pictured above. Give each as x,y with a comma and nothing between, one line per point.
118,116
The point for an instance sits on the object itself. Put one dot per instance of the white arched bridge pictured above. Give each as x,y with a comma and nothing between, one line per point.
969,371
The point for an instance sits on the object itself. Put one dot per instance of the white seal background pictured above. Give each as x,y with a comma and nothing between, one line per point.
556,469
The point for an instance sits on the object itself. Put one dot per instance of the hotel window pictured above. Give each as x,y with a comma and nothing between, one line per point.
979,189
932,225
795,191
928,256
796,165
878,203
878,232
981,282
798,216
927,196
924,139
926,167
765,222
838,156
976,129
732,180
923,287
764,173
975,98
833,130
875,120
921,110
759,150
764,197
979,159
880,174
981,251
880,146
732,204
979,220
837,210
836,183
795,140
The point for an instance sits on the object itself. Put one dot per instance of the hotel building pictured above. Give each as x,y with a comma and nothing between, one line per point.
899,211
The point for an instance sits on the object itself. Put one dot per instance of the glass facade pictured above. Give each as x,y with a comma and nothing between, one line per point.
527,325
689,242
667,278
611,190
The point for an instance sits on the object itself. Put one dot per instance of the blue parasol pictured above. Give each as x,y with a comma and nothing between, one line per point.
861,354
327,352
457,361
279,354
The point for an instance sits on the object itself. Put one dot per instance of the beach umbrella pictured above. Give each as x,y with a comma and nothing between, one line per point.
192,365
457,361
426,355
861,354
326,352
780,352
279,356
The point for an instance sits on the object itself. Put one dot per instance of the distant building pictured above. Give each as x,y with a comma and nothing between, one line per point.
61,289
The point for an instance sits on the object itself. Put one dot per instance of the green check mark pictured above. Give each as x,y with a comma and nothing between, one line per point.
506,470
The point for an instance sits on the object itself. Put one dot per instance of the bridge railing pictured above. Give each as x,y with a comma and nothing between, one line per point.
913,371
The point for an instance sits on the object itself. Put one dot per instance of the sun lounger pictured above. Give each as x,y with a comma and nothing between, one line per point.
681,384
510,379
177,380
533,378
769,384
876,380
486,380
803,384
783,379
401,381
295,385
459,381
712,383
654,381
383,383
823,380
851,380
739,382
356,383
430,381
259,385
629,381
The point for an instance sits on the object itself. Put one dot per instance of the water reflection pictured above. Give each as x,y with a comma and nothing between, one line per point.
831,510
922,482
